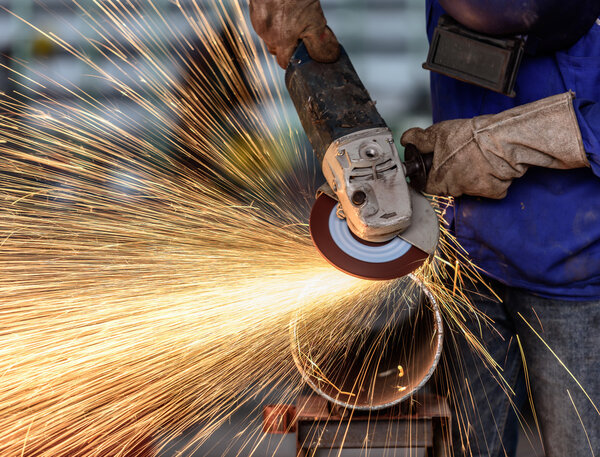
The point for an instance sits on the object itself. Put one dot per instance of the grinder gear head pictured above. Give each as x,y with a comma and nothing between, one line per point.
365,172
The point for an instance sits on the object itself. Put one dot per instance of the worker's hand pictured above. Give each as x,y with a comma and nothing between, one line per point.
282,23
481,156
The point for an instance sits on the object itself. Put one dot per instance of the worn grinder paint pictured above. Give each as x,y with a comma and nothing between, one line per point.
366,221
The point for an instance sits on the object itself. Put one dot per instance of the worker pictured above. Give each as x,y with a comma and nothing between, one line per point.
525,174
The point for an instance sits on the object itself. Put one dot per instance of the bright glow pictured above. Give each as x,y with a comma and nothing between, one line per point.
149,270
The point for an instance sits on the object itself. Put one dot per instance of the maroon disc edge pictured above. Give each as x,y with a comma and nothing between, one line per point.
321,237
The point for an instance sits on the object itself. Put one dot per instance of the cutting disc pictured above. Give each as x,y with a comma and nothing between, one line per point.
348,253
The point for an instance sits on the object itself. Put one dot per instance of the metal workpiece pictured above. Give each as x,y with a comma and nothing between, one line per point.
366,174
380,366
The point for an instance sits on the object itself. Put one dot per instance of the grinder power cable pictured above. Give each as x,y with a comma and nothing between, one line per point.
367,221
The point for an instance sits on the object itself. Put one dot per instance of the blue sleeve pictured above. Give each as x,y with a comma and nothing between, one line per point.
588,116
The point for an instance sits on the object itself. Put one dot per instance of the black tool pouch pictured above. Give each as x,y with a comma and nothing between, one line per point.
483,60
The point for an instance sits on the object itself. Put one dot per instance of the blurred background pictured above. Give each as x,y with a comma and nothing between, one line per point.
384,38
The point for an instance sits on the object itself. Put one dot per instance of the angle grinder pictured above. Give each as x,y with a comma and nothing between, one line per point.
367,220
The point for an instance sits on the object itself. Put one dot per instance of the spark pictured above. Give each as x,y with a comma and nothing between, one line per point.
149,270
582,424
528,387
558,359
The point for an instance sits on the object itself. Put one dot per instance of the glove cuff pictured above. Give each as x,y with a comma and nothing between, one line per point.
544,133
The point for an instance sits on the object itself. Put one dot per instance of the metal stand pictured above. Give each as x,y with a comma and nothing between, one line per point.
417,428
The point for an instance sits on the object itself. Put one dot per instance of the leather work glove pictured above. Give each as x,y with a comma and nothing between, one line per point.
481,156
282,23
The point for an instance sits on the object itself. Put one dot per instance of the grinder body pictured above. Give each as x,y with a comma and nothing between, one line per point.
364,174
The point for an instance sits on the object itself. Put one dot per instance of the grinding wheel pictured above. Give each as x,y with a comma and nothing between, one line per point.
363,259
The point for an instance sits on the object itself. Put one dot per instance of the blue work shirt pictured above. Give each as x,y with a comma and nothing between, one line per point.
545,235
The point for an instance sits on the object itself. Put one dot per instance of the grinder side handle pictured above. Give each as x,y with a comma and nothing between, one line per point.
417,166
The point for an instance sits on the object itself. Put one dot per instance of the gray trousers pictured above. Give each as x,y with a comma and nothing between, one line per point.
484,420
